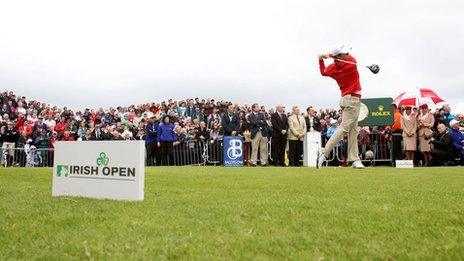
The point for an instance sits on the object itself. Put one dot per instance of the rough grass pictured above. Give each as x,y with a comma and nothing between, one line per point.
241,213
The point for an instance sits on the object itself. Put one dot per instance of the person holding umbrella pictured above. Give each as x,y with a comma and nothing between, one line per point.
425,122
409,126
347,77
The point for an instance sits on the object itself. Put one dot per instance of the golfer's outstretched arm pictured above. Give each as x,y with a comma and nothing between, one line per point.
325,71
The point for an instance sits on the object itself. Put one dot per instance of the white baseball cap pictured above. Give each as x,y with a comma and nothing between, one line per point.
342,49
452,122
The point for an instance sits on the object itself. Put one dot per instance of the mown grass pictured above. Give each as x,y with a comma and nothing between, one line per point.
241,213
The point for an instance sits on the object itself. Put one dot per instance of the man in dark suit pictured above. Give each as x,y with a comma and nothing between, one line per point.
99,134
259,133
312,120
279,135
230,121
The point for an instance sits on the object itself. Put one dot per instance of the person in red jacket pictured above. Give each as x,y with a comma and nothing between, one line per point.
61,127
347,77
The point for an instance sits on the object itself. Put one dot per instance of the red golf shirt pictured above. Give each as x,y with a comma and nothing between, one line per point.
345,74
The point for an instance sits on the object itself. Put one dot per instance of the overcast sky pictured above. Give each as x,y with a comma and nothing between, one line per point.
108,53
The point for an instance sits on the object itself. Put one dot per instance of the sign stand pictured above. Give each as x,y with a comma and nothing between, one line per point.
311,148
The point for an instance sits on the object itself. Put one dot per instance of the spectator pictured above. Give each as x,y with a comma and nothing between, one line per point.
447,115
165,139
215,132
296,136
460,118
230,121
313,123
50,122
214,117
442,146
39,125
279,135
182,109
82,130
409,127
61,127
33,159
191,110
333,128
42,141
397,134
151,142
98,134
10,138
425,122
202,133
66,136
127,134
259,132
458,139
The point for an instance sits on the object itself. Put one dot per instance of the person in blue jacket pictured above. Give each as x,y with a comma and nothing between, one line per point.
151,131
458,139
166,137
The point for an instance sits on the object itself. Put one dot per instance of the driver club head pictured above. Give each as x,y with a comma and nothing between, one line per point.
374,68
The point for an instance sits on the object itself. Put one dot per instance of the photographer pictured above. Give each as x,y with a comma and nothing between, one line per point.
442,146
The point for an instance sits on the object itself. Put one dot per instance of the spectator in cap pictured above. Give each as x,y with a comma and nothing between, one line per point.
40,124
333,126
33,159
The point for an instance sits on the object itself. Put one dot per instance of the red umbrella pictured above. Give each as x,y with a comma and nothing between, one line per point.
418,97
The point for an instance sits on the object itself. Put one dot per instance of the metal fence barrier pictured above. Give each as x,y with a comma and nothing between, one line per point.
21,157
202,153
189,153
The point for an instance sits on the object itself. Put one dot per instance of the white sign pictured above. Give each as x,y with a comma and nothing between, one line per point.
99,169
404,164
311,148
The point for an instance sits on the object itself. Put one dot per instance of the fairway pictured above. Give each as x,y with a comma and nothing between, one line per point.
241,213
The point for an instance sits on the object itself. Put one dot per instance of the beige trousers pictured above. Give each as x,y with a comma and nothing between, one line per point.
259,142
348,127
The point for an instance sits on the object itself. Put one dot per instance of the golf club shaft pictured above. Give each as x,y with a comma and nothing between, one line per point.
345,61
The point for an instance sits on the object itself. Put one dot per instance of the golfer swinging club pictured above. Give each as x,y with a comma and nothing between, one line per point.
347,77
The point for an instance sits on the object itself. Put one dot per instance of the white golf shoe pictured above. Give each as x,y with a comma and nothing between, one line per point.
357,165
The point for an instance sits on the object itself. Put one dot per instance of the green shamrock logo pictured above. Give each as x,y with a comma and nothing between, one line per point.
102,160
62,170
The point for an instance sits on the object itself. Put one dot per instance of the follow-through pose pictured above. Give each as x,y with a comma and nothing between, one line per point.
347,77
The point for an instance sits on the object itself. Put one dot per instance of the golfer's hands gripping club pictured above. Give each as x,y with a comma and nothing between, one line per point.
323,56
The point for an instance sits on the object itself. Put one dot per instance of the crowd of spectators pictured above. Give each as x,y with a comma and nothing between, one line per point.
35,126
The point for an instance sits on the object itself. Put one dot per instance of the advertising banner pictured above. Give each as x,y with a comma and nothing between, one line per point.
233,151
99,169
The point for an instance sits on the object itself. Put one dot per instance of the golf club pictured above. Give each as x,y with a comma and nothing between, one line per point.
374,68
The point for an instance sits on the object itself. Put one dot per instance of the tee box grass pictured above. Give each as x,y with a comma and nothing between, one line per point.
241,213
